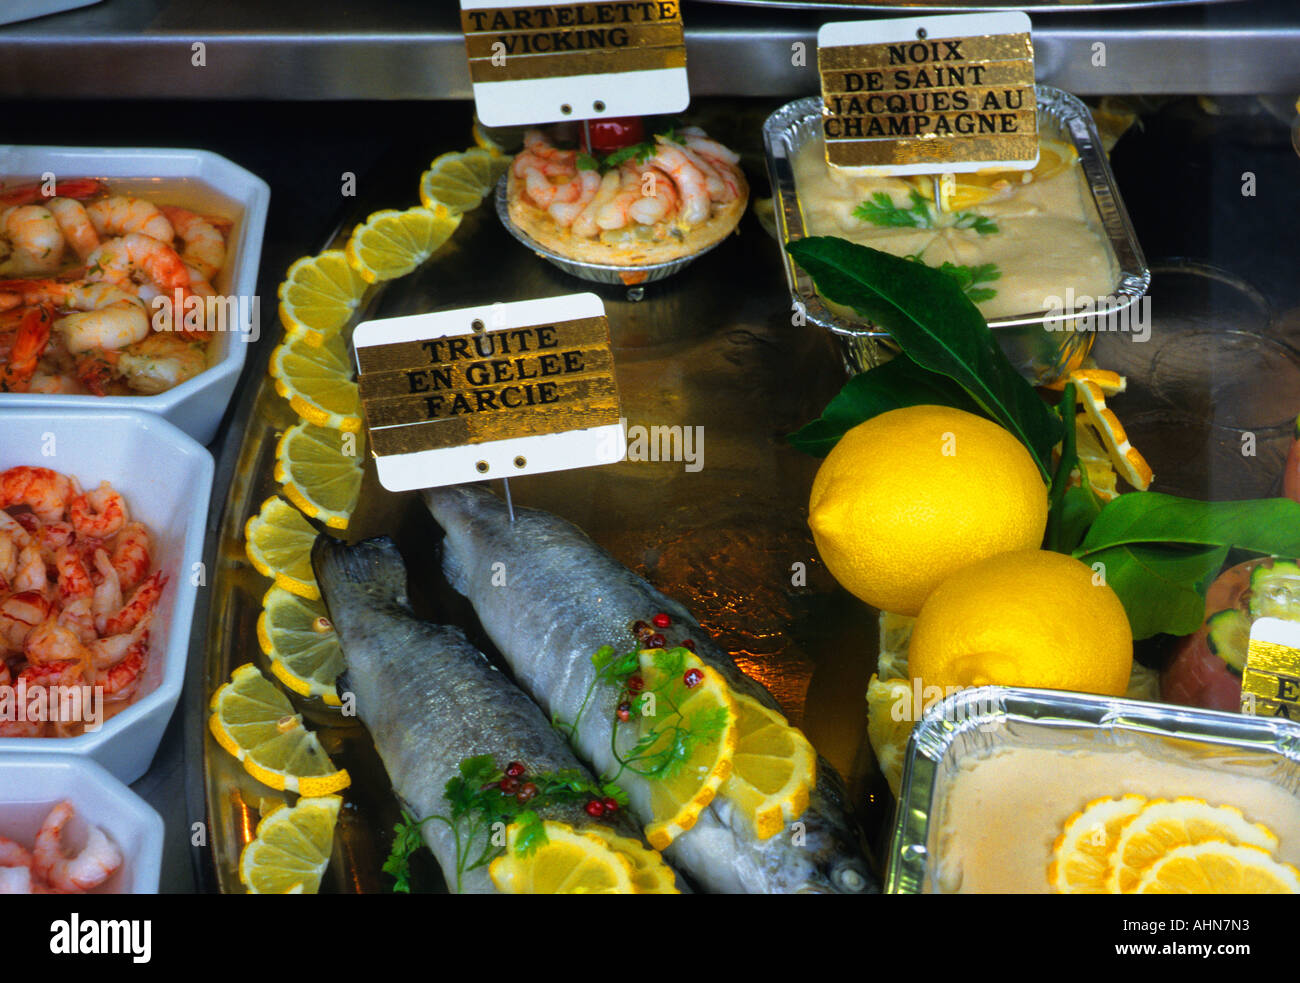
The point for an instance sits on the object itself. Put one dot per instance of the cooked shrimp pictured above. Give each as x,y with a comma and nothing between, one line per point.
120,215
14,854
688,178
720,189
139,258
108,317
31,574
88,869
585,224
99,512
614,214
130,555
74,582
64,672
205,249
30,342
160,362
20,613
120,681
109,651
78,616
28,194
107,600
51,644
34,239
565,213
45,492
142,602
75,224
655,207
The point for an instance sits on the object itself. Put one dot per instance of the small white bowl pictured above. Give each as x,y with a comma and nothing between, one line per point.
32,784
195,406
165,478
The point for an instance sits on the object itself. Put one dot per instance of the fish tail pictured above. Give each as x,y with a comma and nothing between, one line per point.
374,566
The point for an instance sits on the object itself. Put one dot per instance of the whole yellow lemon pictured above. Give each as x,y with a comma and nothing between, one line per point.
909,497
1030,618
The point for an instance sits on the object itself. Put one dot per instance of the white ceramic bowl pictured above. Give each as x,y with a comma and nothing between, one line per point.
195,406
32,784
166,481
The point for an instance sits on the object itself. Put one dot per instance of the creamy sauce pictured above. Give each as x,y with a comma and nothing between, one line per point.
1048,239
999,816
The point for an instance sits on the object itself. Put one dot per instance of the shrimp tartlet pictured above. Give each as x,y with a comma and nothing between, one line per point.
667,198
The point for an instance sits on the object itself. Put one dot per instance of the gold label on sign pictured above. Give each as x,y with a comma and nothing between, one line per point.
929,101
518,43
1270,682
493,385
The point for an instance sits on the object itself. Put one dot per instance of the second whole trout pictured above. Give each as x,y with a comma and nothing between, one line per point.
549,598
430,699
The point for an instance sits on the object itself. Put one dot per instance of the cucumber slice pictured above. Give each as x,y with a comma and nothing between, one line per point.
1275,591
1229,637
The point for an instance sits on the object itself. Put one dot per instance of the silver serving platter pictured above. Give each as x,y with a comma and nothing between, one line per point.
976,721
629,276
948,7
1033,348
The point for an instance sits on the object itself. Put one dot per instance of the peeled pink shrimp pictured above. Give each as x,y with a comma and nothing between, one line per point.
119,215
35,242
566,212
205,248
75,224
538,188
655,207
96,863
100,512
615,213
45,492
585,224
139,258
690,181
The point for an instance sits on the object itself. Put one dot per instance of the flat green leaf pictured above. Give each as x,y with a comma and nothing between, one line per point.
1262,525
1162,589
897,383
937,326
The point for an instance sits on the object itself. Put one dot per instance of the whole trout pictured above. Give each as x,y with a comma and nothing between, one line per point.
430,699
549,598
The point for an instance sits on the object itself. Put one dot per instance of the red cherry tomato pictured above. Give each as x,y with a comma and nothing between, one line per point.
615,133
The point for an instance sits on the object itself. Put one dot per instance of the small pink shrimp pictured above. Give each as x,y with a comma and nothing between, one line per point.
14,854
78,616
19,614
585,224
51,644
27,194
108,591
74,582
75,224
565,212
31,574
690,181
138,258
205,249
119,215
131,554
36,243
109,651
657,206
141,603
614,214
68,672
120,681
52,536
100,512
87,870
44,491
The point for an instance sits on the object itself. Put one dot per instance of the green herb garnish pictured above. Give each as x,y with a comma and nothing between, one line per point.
586,162
982,224
881,210
477,804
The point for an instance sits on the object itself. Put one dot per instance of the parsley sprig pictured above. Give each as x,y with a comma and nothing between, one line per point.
640,152
662,751
881,210
477,804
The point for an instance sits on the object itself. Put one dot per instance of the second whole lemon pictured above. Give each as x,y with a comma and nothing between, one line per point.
1031,618
909,497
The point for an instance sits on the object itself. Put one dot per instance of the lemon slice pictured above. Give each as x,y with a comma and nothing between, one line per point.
887,736
316,475
319,295
1095,460
1081,855
774,768
1163,825
303,647
458,180
499,140
278,543
570,862
390,243
317,382
291,848
255,722
650,875
1130,464
1110,383
678,797
1217,867
969,190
